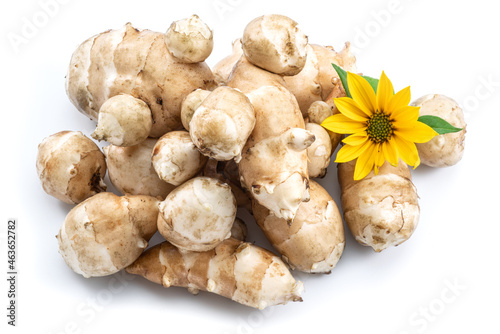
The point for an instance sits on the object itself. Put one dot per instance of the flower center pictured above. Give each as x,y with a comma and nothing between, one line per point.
380,127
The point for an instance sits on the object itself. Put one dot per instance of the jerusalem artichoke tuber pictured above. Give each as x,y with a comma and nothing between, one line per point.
237,270
106,233
197,215
381,210
447,149
315,240
71,167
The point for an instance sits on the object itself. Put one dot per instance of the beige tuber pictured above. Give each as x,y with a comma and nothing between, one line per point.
318,154
222,123
381,210
222,70
131,172
106,233
70,166
189,105
448,149
274,43
190,40
198,215
237,270
176,159
123,121
138,63
315,240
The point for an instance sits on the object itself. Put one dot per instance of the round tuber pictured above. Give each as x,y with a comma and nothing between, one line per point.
176,159
70,166
190,40
447,149
222,123
274,43
197,215
123,121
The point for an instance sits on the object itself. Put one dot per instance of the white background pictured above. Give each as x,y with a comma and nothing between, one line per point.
434,46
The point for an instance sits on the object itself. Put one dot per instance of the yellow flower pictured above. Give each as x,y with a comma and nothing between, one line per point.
382,126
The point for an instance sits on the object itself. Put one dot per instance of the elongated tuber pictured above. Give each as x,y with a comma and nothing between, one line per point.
71,167
106,233
197,215
237,270
447,149
131,172
381,210
176,159
315,240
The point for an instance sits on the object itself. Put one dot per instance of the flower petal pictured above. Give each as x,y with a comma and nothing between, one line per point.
349,152
390,152
405,114
350,108
379,158
362,93
342,124
365,163
416,132
407,151
398,100
384,92
356,139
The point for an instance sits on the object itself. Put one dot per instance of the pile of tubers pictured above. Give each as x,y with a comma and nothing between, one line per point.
189,145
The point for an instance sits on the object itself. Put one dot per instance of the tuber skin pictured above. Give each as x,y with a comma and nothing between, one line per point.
318,154
227,172
222,70
176,159
222,123
198,215
237,270
189,105
70,166
282,186
315,240
327,74
381,210
190,40
448,149
281,190
106,233
137,63
305,85
318,111
123,121
131,171
274,43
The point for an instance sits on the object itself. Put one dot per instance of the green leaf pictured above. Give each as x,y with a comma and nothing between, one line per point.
438,124
343,78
